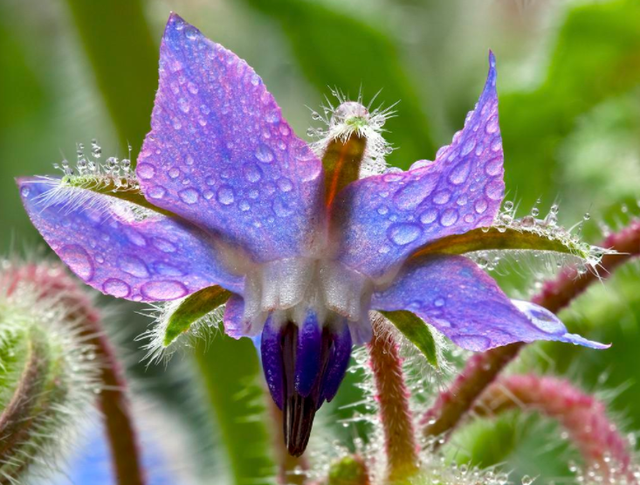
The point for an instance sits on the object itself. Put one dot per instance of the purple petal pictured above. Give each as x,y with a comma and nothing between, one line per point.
221,155
308,354
271,356
384,218
338,363
233,320
119,253
454,295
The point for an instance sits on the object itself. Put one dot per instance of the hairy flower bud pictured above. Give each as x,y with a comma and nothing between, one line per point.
48,378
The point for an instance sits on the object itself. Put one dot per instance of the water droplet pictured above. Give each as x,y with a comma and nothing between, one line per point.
402,234
166,269
78,260
183,104
281,208
492,125
133,266
207,194
508,206
428,216
164,245
244,206
459,173
163,290
411,195
264,154
383,209
226,196
494,166
24,191
134,236
477,343
439,302
190,32
252,172
442,197
285,184
467,147
174,172
116,287
495,190
156,192
146,171
449,217
189,196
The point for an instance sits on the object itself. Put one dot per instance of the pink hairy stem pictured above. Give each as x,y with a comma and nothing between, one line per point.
481,370
582,416
54,283
392,396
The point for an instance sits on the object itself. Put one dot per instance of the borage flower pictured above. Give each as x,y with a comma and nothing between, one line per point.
229,205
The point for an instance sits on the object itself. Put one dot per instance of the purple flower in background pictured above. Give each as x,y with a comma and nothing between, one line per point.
240,202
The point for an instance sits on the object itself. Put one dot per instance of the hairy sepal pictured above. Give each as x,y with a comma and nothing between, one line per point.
516,237
416,331
179,322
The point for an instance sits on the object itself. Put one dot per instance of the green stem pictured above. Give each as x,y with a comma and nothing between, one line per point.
230,370
123,54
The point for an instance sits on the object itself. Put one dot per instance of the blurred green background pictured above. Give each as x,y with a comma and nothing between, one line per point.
569,90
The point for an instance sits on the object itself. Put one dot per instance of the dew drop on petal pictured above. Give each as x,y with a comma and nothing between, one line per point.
164,245
163,290
146,171
189,196
449,217
480,206
467,147
133,266
252,172
492,125
428,216
226,196
442,197
285,185
281,208
494,190
174,172
411,195
460,173
402,234
477,343
116,287
494,166
156,192
166,269
264,154
78,260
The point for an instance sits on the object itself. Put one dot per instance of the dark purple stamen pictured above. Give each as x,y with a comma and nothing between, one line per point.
303,368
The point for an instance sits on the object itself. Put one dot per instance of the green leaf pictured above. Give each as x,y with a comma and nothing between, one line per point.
597,56
416,331
193,308
231,374
337,50
124,57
